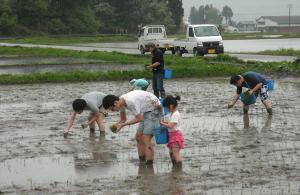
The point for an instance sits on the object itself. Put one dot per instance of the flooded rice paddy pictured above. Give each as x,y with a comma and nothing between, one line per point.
226,152
27,64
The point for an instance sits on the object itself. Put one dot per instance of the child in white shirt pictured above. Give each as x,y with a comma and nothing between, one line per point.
176,140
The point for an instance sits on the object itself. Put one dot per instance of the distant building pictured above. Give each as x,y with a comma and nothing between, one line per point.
246,26
278,24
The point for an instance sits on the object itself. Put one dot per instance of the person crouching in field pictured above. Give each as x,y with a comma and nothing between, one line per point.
92,102
176,140
147,111
256,83
139,84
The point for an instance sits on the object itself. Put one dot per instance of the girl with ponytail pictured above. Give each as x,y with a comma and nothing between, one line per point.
176,140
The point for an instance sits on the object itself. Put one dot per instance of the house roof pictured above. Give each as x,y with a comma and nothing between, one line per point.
283,19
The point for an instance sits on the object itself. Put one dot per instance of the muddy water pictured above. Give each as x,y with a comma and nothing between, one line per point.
26,69
28,60
27,64
226,153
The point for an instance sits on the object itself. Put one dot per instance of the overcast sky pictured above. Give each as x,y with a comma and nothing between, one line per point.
247,9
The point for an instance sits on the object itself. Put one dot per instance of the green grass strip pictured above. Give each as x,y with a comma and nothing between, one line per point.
221,65
280,52
63,40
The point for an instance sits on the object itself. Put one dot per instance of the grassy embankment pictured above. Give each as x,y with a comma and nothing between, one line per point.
67,40
222,65
73,39
244,36
279,52
258,35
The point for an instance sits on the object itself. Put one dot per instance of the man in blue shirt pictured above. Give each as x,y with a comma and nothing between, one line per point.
256,83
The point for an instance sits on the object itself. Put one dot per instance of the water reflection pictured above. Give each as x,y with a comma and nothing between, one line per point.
96,156
267,124
98,148
150,182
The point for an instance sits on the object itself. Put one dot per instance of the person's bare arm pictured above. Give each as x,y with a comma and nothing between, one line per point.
257,87
138,118
170,125
70,122
95,117
234,100
123,117
154,65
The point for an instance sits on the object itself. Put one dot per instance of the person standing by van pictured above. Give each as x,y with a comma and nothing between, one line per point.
157,68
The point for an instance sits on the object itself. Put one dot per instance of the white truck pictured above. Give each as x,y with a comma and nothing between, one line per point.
154,34
200,40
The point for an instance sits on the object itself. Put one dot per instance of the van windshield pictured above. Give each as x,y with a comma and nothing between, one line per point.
204,31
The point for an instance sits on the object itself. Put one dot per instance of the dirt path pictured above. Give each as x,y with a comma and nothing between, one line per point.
225,152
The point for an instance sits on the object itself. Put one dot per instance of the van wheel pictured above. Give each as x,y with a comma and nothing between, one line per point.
178,52
196,52
173,51
142,50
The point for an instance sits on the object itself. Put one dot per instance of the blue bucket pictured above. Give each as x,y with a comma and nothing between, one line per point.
270,84
161,134
248,100
168,73
165,109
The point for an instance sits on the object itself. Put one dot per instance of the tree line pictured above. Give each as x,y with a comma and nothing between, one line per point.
208,14
20,17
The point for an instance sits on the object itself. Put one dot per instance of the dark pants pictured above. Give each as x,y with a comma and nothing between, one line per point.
158,84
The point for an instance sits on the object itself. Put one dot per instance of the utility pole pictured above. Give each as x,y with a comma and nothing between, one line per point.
290,7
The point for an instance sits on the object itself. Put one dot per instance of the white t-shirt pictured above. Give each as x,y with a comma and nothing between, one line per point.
174,118
140,102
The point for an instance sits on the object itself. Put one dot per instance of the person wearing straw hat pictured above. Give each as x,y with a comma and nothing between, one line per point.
257,85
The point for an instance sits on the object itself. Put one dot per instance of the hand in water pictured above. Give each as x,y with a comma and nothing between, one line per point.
66,132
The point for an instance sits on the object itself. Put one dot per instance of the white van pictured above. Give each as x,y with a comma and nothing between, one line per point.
200,39
154,34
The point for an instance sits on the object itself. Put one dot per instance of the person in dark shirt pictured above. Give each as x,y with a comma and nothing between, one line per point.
256,84
157,67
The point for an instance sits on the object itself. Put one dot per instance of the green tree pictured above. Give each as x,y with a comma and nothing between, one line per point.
177,11
193,19
227,13
31,14
8,21
213,15
105,16
205,14
131,13
76,15
202,15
